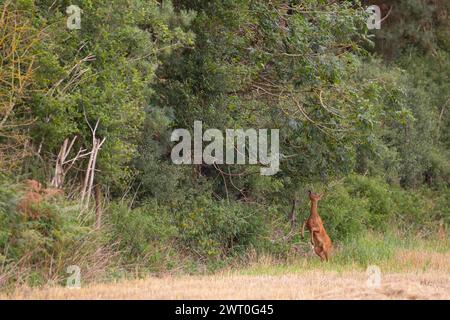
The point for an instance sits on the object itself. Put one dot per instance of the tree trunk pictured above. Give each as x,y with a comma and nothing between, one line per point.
293,216
98,205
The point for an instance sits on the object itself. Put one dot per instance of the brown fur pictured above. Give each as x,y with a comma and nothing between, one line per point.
319,238
33,196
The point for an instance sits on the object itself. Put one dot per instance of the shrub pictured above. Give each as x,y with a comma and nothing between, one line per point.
344,215
145,235
8,201
421,211
218,229
378,196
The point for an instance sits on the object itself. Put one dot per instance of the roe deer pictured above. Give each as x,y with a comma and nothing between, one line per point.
33,196
319,237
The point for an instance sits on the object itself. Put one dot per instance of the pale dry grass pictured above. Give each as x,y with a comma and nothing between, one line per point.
409,275
307,285
421,260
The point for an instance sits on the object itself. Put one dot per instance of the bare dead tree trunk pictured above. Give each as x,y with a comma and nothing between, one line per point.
98,205
58,178
87,176
59,171
62,165
90,171
95,149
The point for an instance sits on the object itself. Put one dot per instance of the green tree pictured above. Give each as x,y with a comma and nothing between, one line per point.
102,72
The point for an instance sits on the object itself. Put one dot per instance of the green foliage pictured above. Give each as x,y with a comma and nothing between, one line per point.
360,204
362,115
361,214
18,38
103,72
378,197
414,26
152,164
219,229
144,235
8,202
345,215
156,237
46,245
422,211
257,65
417,139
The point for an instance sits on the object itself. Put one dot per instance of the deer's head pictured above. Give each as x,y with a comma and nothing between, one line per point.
314,196
33,185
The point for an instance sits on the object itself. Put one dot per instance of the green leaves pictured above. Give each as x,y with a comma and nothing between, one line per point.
104,71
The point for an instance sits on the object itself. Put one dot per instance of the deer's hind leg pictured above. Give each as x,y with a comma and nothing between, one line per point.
314,234
320,252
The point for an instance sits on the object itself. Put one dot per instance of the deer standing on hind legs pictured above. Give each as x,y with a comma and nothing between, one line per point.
319,237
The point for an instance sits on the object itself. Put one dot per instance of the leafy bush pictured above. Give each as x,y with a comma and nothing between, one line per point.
8,202
378,196
219,229
344,215
421,211
158,237
145,235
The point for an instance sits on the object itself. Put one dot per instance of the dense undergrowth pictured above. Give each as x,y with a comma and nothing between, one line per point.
367,219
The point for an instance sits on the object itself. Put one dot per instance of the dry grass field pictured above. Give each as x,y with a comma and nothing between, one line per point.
308,285
418,275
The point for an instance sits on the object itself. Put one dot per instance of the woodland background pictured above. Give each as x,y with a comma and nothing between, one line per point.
363,116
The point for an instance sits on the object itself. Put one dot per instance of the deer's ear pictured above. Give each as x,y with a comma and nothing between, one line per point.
320,195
